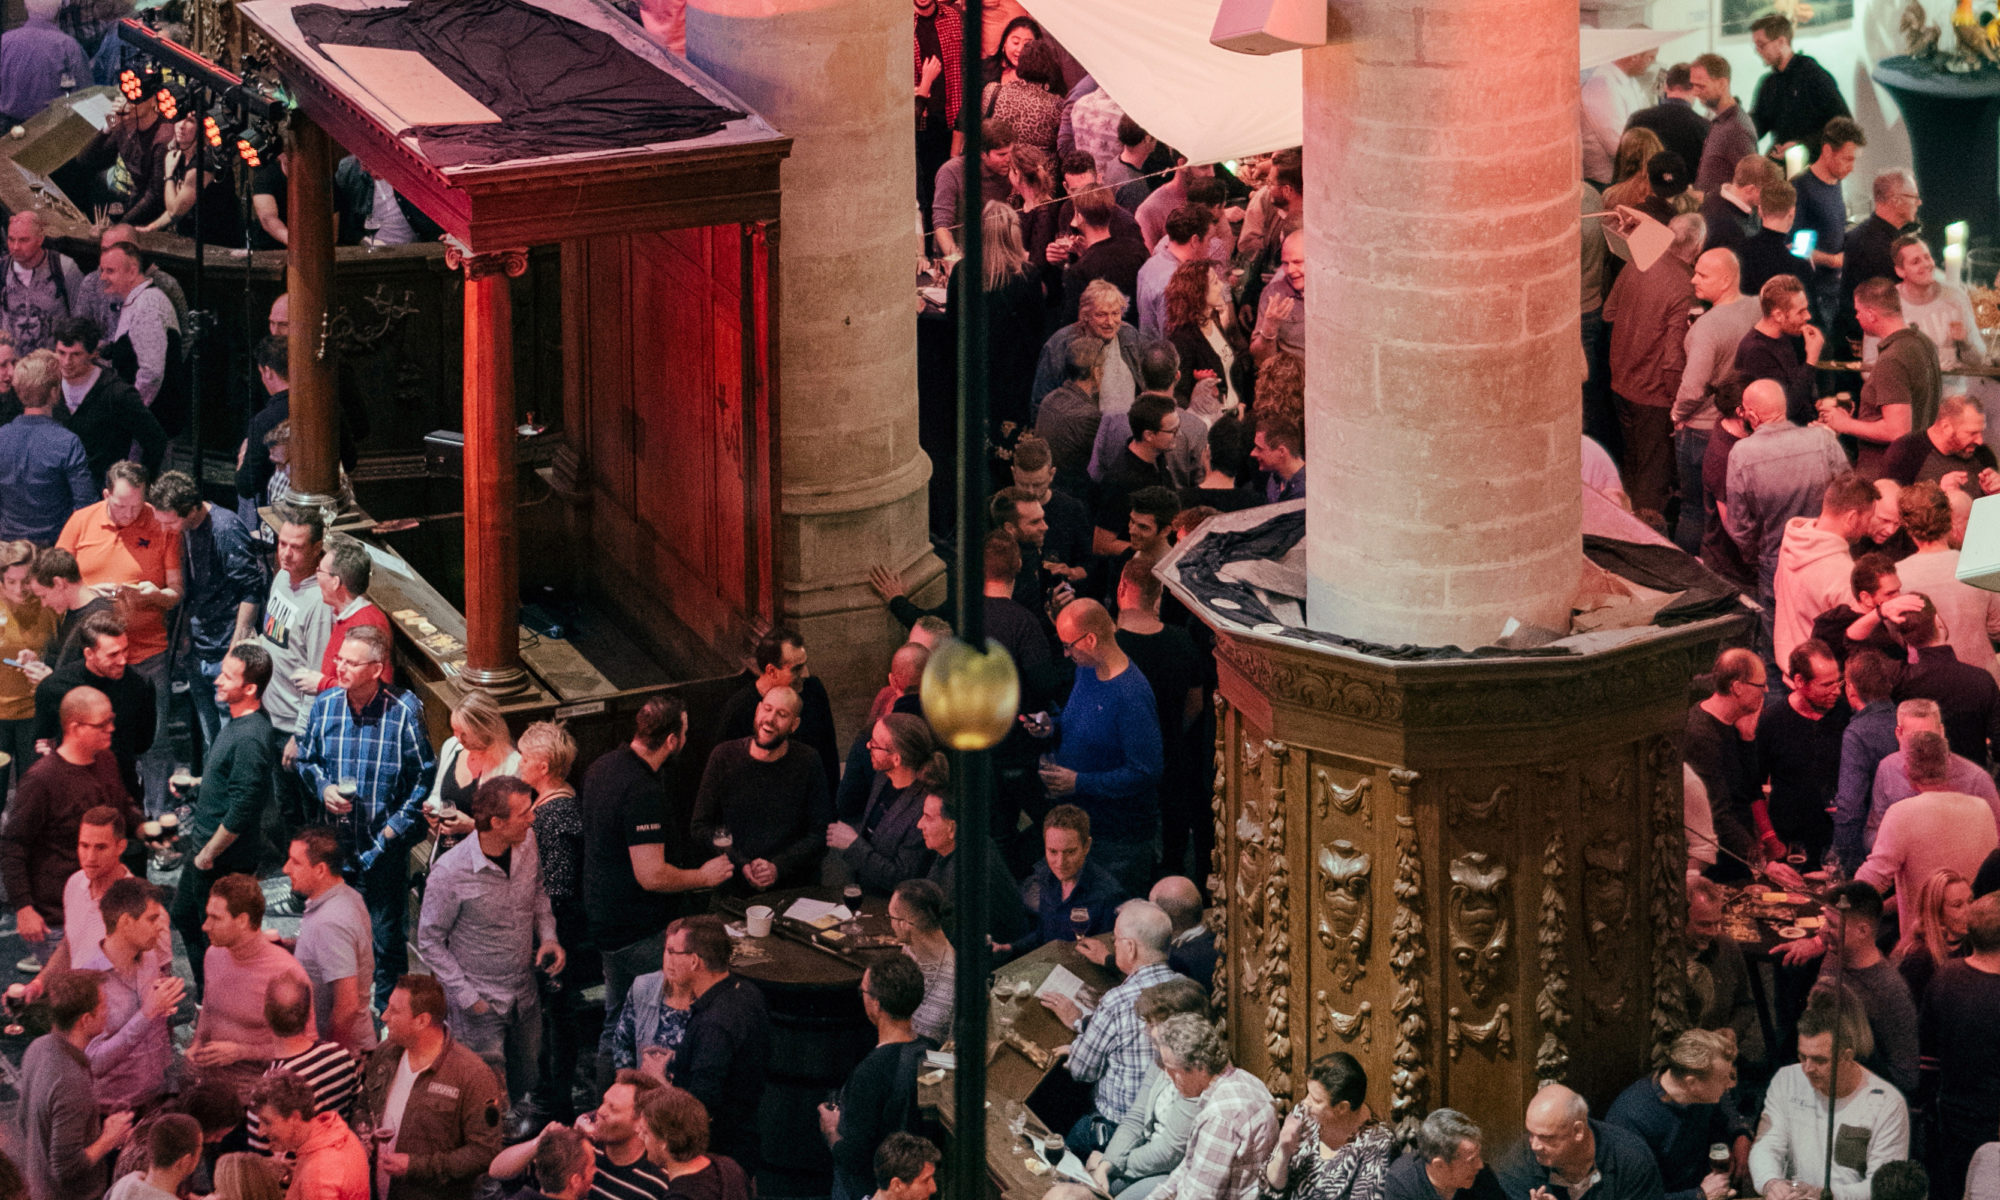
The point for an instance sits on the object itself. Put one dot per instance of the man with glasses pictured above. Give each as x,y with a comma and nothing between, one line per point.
365,755
1798,97
880,1096
120,542
1109,757
103,667
726,1052
1869,250
344,572
39,841
1720,753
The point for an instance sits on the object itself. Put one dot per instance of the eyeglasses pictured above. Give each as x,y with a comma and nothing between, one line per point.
1071,645
879,747
680,953
106,723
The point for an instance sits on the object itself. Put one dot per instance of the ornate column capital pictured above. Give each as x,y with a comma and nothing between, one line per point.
510,263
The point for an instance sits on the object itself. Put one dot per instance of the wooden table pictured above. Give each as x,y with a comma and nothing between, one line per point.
818,1031
1967,370
1753,925
1010,1075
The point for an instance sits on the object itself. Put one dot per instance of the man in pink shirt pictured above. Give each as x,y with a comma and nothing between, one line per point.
232,1040
1932,830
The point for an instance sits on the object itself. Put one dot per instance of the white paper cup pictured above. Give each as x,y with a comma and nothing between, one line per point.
757,920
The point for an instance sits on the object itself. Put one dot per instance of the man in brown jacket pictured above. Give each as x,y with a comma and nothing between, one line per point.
436,1101
1648,311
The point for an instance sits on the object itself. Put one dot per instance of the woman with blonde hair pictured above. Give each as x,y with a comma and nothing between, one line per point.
246,1177
479,748
24,626
547,754
1933,930
1014,313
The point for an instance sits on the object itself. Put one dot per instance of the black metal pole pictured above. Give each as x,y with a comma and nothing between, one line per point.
973,770
1839,1018
198,108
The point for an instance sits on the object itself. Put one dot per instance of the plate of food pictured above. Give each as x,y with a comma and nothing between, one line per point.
1791,933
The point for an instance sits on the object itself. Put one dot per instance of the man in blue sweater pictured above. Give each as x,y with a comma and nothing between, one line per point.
1109,759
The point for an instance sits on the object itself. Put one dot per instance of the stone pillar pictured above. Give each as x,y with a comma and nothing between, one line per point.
492,540
852,480
1441,415
309,282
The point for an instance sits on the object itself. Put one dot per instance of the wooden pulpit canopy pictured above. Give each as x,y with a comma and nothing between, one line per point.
514,123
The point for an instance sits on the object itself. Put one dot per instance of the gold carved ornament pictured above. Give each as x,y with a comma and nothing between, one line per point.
1498,1029
1668,897
1551,953
1479,924
1351,1026
1345,923
1218,880
1409,1083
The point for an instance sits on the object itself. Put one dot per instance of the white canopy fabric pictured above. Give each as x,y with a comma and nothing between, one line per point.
1211,104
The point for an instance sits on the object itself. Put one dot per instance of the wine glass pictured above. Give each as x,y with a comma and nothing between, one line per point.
1079,921
850,895
721,839
1017,1118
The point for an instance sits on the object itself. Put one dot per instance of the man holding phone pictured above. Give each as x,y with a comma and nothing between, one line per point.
120,543
1768,253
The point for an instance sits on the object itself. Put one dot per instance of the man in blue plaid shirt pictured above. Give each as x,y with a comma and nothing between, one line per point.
363,732
1113,1051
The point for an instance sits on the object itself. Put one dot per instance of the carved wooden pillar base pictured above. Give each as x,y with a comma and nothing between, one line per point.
492,541
1469,874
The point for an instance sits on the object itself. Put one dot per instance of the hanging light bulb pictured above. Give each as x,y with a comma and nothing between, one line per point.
970,698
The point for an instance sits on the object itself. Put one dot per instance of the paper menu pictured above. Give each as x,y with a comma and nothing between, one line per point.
1063,982
817,912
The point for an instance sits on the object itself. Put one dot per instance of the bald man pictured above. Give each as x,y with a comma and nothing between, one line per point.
38,841
1710,349
1565,1148
899,694
770,794
1109,757
39,287
95,301
1192,951
1779,472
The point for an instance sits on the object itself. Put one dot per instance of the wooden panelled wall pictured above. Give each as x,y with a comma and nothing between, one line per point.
672,428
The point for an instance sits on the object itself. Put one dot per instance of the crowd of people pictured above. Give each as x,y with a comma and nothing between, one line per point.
426,1033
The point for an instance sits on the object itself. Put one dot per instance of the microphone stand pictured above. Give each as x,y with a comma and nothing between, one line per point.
1833,1074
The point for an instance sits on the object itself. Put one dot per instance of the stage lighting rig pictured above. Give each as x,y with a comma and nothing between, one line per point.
251,100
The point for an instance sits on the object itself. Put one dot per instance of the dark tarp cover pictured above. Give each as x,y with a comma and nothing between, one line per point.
557,86
1664,568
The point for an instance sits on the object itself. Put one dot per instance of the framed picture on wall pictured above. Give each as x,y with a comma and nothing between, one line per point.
1736,15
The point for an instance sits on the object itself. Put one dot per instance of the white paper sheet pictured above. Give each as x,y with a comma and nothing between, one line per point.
809,910
1063,982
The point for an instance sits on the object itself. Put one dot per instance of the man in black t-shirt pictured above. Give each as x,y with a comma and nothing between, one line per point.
1166,656
1716,751
1956,441
634,844
269,195
880,1096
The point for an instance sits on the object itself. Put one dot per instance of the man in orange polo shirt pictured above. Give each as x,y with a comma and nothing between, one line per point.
120,543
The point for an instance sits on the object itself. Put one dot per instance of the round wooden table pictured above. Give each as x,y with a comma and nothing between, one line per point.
818,1031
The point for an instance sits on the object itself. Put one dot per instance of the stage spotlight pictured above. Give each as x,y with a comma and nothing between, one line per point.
131,85
252,145
211,131
172,99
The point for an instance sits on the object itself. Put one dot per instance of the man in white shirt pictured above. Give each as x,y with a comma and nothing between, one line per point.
146,318
297,624
100,848
1610,96
1873,1121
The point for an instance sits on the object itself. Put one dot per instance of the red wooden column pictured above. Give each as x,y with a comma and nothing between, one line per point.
309,281
492,554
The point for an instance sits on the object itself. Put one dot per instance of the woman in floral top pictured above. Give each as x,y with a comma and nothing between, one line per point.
1331,1147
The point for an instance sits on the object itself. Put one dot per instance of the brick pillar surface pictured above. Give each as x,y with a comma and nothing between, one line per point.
835,76
1442,419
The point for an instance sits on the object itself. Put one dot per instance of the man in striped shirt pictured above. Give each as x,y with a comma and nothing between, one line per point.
326,1067
365,734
